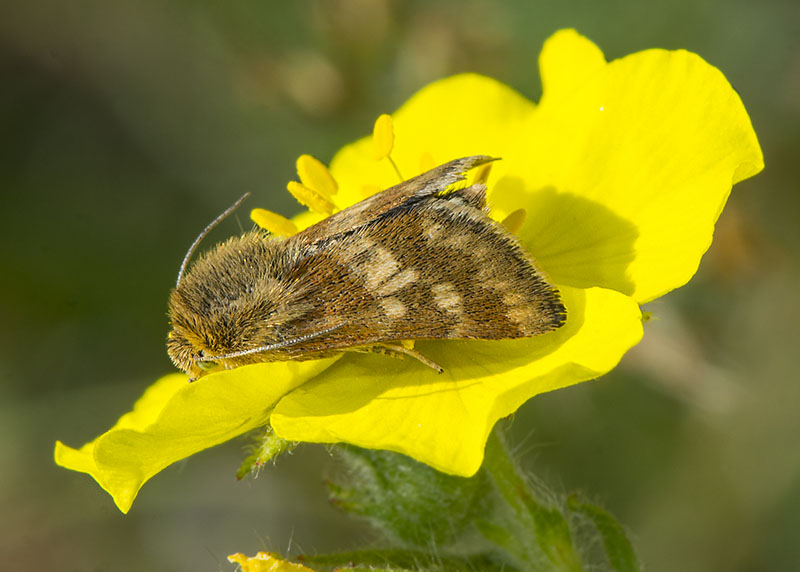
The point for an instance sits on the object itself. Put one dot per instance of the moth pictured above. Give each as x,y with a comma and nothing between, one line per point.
420,260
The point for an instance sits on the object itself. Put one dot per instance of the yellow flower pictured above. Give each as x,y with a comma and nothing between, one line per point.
623,169
265,562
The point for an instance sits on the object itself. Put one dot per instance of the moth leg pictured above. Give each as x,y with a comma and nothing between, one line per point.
399,348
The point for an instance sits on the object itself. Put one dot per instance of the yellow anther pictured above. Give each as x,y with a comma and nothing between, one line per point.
310,198
273,222
515,220
383,137
315,175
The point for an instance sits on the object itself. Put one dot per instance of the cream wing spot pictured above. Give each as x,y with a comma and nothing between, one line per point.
458,242
393,307
399,281
521,311
380,267
520,314
446,297
514,299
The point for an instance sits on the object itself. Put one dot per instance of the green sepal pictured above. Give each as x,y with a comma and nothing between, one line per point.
410,502
267,447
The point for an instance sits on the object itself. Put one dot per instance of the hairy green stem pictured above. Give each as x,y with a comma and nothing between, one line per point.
536,535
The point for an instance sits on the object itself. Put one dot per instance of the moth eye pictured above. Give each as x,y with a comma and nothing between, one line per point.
206,365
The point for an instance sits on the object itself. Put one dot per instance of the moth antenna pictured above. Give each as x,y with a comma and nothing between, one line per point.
283,344
203,234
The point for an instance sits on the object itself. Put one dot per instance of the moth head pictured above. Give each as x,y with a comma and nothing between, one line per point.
232,301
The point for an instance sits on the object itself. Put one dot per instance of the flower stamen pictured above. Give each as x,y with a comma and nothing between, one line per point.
273,222
396,170
383,141
315,175
383,136
310,198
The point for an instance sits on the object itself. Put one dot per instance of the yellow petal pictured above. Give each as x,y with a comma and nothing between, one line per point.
310,198
427,162
369,190
273,222
382,137
567,62
451,118
174,419
315,175
444,419
627,170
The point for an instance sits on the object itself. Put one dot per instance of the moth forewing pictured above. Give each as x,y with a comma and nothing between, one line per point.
436,268
417,261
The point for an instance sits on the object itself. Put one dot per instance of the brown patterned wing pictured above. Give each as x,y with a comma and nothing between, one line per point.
433,268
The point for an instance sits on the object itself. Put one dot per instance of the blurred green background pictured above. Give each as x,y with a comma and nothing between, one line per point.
128,125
